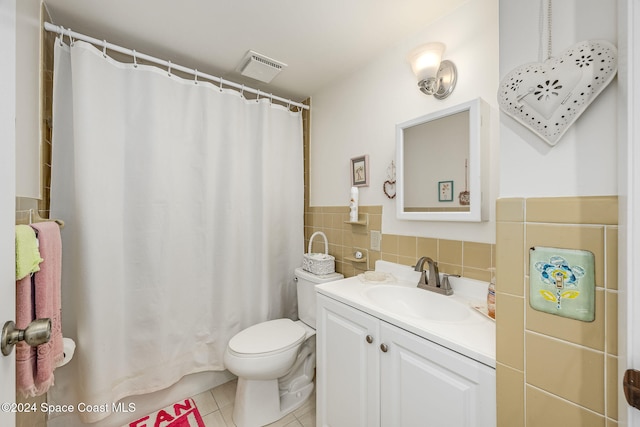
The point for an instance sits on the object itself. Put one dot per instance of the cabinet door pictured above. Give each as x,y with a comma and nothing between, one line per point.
424,384
348,370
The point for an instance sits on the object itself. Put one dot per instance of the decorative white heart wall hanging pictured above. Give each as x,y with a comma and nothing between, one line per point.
548,97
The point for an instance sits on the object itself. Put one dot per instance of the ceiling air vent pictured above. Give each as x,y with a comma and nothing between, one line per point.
259,67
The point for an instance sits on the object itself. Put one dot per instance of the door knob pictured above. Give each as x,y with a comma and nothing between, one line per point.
631,387
369,339
384,347
36,333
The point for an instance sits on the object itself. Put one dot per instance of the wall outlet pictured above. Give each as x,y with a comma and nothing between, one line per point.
376,238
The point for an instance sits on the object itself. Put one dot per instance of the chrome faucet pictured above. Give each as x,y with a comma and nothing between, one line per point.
433,282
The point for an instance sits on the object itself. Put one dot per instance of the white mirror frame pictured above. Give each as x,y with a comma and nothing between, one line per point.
478,165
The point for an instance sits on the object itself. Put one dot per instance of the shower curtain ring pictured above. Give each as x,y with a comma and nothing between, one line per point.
220,84
135,60
61,32
258,97
242,92
104,48
195,73
271,98
169,69
71,40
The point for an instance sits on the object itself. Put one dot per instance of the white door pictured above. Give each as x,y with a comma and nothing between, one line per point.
425,384
629,191
348,374
7,199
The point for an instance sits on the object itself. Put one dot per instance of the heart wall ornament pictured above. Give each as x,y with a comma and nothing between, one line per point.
389,188
548,97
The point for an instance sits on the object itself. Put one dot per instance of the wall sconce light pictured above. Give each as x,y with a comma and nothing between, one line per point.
435,77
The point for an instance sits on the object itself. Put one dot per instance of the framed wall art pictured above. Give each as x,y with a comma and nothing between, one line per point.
445,191
360,171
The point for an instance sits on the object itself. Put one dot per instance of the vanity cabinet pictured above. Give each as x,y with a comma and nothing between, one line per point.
347,366
371,373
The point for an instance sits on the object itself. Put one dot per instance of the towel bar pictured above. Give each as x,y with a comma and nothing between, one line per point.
35,217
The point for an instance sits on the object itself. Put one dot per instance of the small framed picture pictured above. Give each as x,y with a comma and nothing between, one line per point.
445,191
360,171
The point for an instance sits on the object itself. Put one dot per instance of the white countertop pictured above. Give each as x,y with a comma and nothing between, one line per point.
474,337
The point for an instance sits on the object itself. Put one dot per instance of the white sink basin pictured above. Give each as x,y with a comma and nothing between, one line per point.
417,303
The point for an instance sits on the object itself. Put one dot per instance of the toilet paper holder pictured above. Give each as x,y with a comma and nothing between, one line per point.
36,333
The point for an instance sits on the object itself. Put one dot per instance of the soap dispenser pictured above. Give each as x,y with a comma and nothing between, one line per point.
353,205
491,295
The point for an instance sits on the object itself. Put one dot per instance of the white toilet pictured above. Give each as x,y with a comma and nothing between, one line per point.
275,360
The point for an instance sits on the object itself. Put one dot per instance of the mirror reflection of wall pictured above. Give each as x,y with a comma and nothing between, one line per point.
435,153
442,163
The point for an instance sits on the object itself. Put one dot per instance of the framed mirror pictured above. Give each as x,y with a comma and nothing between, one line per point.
441,165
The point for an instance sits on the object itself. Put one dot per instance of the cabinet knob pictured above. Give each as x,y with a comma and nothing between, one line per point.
369,339
384,348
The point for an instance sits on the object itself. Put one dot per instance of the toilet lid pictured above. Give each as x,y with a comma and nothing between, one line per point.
268,337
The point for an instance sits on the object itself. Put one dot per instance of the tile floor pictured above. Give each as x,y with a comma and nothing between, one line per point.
216,407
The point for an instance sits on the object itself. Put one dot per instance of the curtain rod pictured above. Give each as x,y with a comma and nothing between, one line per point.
194,72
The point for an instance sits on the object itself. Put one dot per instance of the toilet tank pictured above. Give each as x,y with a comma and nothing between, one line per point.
306,283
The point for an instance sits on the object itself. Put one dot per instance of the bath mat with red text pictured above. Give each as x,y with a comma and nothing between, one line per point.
180,414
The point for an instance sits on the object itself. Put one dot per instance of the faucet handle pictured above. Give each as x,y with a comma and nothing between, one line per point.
445,281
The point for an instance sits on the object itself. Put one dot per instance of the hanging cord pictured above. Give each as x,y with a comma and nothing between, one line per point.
549,10
545,56
391,171
466,175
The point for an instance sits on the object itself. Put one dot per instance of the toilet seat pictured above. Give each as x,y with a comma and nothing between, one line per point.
267,338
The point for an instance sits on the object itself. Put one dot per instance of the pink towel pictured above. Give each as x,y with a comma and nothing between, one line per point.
48,301
25,355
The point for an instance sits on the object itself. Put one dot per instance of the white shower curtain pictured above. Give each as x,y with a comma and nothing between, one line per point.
183,207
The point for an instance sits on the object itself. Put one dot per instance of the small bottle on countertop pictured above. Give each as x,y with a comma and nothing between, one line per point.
491,295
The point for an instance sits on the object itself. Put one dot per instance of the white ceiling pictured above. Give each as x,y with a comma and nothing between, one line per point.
318,40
